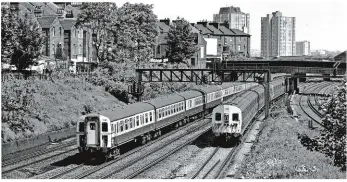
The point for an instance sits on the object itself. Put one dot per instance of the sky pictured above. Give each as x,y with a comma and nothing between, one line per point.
322,22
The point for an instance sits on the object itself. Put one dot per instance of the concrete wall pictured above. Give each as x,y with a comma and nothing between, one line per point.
11,147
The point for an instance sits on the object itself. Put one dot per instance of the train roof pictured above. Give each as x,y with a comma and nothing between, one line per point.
128,110
166,100
190,94
229,84
210,89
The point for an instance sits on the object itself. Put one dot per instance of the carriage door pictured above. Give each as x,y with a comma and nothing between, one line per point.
92,132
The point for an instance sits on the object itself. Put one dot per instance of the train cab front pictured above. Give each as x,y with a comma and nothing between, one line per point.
93,134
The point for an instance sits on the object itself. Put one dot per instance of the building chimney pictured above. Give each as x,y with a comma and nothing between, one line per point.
215,24
204,23
166,21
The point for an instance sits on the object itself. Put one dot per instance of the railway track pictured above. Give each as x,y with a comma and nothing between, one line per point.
196,132
93,169
16,159
6,171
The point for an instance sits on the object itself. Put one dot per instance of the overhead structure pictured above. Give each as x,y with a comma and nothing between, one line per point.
248,73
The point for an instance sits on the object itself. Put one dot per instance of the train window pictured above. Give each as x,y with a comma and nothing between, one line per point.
104,127
141,118
150,117
175,107
146,117
131,122
218,116
235,117
81,127
172,109
121,125
112,127
159,115
126,124
137,121
92,126
166,111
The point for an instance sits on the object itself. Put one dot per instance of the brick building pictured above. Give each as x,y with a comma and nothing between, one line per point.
57,23
160,53
228,40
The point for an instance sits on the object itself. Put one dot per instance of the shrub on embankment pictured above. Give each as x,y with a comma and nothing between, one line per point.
32,107
116,77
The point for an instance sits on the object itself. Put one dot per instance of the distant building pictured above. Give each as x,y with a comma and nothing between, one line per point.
277,35
255,52
303,48
234,17
159,50
57,20
222,41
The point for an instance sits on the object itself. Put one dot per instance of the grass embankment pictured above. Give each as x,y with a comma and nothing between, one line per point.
32,107
278,153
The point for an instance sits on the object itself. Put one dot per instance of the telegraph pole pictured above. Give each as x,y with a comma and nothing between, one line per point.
267,93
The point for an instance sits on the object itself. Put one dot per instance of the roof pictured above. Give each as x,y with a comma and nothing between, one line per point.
46,22
230,84
203,29
190,94
68,23
166,100
225,30
214,30
75,11
126,111
163,27
239,32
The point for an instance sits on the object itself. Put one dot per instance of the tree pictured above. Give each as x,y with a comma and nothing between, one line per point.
28,40
9,26
137,32
97,17
181,41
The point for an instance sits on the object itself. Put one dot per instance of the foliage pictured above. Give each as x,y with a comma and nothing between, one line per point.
26,37
97,17
277,153
136,26
9,26
181,41
235,56
332,140
32,107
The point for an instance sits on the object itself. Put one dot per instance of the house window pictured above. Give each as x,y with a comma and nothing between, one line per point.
239,47
158,49
60,31
53,31
202,54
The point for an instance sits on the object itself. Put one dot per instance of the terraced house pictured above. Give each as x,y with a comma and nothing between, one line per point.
223,41
57,21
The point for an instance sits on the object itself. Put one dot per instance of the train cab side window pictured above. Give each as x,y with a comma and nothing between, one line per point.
218,116
81,127
150,117
104,127
137,121
146,117
235,117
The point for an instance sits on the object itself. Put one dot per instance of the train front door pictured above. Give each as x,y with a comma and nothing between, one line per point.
92,133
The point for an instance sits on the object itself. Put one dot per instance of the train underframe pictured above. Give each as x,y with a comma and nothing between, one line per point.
228,138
